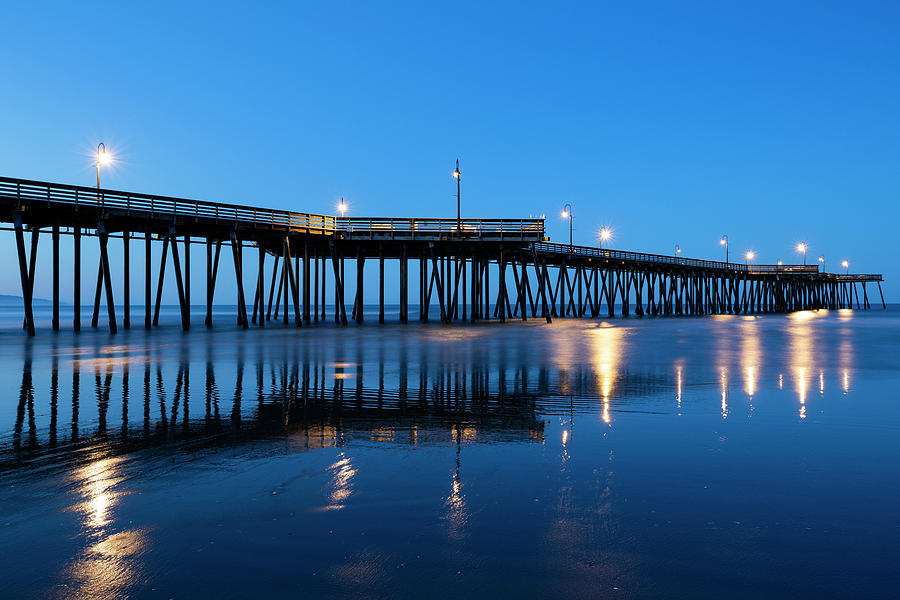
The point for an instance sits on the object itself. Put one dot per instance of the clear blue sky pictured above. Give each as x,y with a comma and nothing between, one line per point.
670,122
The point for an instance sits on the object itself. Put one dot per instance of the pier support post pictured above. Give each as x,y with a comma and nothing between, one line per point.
315,260
187,280
55,319
239,280
179,281
148,281
438,275
340,311
272,288
212,270
324,272
95,316
501,284
76,287
306,286
159,283
295,285
404,281
360,263
23,274
380,284
260,287
126,280
107,280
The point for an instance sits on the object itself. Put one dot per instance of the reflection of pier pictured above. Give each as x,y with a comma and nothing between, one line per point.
309,405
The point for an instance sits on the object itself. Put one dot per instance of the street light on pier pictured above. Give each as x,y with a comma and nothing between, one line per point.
846,265
822,260
724,242
677,250
103,158
605,234
749,256
801,247
457,175
342,208
567,214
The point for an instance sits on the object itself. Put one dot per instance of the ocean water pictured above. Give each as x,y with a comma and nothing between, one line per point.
716,457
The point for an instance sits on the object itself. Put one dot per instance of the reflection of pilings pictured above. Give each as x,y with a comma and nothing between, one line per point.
54,396
76,390
26,403
125,400
289,394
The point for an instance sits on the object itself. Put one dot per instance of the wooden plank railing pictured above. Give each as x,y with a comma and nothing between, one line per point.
25,190
857,276
662,259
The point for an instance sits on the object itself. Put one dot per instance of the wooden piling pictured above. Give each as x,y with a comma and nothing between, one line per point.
54,322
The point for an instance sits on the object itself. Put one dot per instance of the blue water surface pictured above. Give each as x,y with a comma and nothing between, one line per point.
718,456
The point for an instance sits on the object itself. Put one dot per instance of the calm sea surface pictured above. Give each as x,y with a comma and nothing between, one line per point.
719,457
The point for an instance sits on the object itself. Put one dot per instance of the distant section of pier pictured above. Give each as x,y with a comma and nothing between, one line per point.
301,259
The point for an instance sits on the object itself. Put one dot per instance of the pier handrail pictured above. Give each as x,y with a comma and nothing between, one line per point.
82,196
857,276
662,259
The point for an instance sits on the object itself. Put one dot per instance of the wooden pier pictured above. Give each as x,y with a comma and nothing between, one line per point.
302,256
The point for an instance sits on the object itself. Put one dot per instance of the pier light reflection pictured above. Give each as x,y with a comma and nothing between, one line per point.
750,357
457,511
111,564
723,389
801,338
679,383
96,483
341,484
607,343
802,383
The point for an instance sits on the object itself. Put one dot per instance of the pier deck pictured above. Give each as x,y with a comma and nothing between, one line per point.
533,275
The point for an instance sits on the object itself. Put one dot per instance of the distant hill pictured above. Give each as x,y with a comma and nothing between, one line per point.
6,300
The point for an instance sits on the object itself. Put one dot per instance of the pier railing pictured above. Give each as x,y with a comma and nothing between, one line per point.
25,190
858,276
391,227
662,259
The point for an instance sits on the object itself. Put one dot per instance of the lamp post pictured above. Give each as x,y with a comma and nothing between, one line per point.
724,242
103,158
677,250
801,247
605,234
342,207
822,260
457,175
750,255
846,265
567,213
